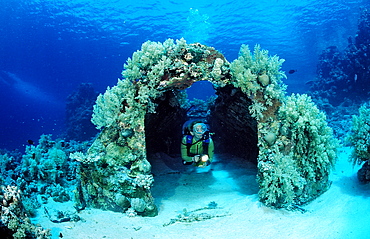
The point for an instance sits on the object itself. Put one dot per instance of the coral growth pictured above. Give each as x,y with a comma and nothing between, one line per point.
47,161
14,218
295,147
359,139
342,83
359,136
295,169
120,112
250,73
43,173
343,76
287,136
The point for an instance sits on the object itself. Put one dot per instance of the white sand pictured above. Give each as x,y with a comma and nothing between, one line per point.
343,212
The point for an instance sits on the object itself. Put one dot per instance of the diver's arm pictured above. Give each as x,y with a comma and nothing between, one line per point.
184,151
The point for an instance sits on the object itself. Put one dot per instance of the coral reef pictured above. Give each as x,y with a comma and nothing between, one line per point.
200,108
46,162
43,173
344,75
14,221
295,168
119,153
248,70
8,165
359,139
288,135
342,83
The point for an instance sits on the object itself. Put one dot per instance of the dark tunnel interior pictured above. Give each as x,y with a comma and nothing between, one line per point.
235,131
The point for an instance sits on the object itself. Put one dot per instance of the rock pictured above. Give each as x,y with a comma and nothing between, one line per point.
122,201
264,79
138,204
270,138
363,174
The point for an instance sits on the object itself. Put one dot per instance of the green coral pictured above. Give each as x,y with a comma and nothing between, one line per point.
150,72
46,168
296,147
107,107
127,101
43,162
295,169
279,179
14,217
314,145
246,69
256,110
359,137
58,193
120,112
58,156
6,174
247,72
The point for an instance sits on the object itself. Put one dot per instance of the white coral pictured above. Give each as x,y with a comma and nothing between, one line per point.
256,110
80,157
131,212
144,181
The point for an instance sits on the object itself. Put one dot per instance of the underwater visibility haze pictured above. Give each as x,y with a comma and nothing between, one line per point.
48,48
209,116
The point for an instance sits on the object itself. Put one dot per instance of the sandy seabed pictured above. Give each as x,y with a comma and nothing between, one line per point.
225,197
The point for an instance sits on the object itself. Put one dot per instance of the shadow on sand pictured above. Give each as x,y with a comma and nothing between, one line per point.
226,174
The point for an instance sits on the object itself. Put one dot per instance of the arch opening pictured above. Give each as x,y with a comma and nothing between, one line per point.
201,90
234,129
144,113
235,139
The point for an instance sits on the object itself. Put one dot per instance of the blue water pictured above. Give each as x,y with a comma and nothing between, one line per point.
49,47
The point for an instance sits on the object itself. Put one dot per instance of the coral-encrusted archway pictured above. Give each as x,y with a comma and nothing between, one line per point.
295,151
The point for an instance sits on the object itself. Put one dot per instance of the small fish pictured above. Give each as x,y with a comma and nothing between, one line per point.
292,71
30,142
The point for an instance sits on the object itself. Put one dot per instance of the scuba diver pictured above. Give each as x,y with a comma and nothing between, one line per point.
197,146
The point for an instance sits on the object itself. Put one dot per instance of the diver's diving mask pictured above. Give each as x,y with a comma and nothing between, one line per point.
199,129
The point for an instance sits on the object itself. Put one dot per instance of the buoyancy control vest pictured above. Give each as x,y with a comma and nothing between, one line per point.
205,142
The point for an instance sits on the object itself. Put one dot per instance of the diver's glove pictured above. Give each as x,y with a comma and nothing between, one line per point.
196,158
203,161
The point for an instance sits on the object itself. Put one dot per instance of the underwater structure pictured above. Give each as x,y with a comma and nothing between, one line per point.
286,136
